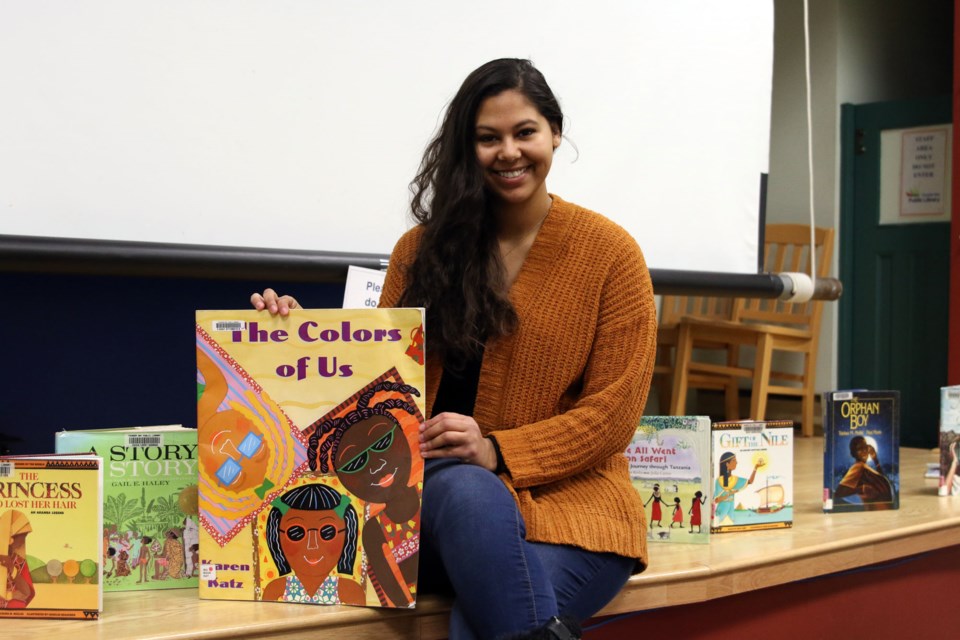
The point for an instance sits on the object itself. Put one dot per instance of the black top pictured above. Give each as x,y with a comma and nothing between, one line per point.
458,389
458,394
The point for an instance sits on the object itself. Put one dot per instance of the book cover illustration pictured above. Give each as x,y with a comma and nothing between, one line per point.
949,441
151,534
50,543
310,475
752,475
669,459
861,450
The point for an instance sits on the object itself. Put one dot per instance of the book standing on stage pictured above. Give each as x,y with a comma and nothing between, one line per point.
950,441
861,450
753,475
151,529
51,518
669,459
310,472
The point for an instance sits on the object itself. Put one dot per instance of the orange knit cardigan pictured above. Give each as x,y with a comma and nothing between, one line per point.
564,393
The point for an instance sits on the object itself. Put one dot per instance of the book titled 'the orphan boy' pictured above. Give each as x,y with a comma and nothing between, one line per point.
861,451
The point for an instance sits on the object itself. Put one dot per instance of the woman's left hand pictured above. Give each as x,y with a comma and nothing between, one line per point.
452,435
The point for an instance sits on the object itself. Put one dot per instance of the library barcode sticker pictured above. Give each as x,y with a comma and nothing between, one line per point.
229,325
139,440
6,469
843,395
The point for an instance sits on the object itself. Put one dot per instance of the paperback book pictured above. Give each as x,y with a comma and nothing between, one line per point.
669,460
151,533
310,474
949,441
51,514
861,450
752,475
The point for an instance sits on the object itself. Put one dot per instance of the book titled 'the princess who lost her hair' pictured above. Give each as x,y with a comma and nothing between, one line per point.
51,515
310,475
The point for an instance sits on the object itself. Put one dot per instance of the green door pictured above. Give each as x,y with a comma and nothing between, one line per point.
893,312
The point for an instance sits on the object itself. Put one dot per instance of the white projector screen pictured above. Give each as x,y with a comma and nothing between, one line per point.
299,123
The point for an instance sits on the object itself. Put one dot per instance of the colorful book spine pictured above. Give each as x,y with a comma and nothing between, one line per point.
861,451
51,514
669,459
151,532
949,441
310,474
752,475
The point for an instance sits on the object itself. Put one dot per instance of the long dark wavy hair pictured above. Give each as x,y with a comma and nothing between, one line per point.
457,274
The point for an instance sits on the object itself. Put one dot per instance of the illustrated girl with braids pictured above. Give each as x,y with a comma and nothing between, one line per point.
369,453
312,538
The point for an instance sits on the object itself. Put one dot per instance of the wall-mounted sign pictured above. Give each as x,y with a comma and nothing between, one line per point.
915,175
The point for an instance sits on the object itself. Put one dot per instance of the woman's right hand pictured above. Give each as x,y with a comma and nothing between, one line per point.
273,303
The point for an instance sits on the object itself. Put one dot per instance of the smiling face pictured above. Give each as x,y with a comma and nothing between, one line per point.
373,460
515,145
312,541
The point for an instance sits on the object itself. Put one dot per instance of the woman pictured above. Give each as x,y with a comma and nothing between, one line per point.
540,347
656,512
173,553
695,518
16,582
727,485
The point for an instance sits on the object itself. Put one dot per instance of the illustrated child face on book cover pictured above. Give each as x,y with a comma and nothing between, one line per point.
312,533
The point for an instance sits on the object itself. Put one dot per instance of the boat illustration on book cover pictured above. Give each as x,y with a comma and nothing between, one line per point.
310,475
50,537
669,459
861,450
753,475
151,533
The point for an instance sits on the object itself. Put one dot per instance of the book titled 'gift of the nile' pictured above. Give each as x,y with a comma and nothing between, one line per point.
50,537
310,474
151,529
752,475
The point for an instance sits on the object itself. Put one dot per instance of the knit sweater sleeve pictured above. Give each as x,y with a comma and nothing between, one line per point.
605,411
400,260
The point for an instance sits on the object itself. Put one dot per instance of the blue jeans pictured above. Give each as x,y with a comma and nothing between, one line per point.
473,546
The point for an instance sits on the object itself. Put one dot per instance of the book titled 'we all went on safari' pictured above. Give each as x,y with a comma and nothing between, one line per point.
669,458
310,475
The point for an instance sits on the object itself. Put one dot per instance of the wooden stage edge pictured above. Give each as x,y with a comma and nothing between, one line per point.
817,545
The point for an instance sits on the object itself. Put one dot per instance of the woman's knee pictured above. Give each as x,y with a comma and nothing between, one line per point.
465,492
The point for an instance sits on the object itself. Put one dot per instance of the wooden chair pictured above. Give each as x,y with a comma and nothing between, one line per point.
673,309
769,325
